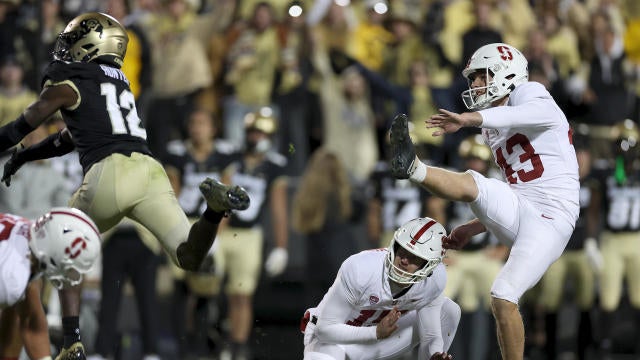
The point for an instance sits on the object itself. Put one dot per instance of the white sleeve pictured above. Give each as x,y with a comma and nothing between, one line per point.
430,329
539,112
331,325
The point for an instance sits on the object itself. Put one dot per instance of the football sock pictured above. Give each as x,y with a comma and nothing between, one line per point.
70,330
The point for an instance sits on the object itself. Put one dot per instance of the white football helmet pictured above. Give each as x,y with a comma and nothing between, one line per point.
66,242
505,68
421,237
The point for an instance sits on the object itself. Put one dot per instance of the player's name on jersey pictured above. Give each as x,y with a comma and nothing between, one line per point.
114,73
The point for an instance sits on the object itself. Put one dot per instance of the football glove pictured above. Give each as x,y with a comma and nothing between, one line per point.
12,166
276,261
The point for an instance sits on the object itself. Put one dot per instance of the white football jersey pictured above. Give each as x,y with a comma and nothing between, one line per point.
364,277
531,141
15,268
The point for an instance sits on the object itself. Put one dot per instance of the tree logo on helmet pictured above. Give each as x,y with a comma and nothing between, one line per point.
505,53
415,239
75,249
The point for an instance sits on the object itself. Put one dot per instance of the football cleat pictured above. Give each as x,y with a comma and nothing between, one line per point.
73,352
403,154
223,198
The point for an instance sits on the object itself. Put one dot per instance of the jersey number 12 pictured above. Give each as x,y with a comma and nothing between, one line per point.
115,104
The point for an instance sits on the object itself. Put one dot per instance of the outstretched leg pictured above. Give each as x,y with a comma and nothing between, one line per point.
406,165
220,199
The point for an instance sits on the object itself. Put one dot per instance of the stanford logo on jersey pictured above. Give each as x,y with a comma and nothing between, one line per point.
76,247
373,299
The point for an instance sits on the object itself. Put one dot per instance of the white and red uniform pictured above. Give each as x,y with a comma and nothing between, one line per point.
343,326
536,209
15,266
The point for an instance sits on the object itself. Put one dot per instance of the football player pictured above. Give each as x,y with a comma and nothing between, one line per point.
581,260
621,231
261,171
188,163
536,208
61,245
121,177
471,270
386,302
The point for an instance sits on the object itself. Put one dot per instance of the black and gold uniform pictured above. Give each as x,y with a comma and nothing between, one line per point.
192,172
104,120
242,260
398,201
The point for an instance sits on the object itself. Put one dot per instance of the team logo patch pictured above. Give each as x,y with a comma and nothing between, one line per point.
373,299
77,245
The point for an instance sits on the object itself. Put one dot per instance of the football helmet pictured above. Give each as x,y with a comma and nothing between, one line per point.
505,68
66,242
263,121
474,146
421,237
92,37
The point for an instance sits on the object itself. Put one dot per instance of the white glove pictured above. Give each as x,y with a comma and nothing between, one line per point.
276,261
593,255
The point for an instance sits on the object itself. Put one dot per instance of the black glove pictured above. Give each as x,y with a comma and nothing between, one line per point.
12,166
340,60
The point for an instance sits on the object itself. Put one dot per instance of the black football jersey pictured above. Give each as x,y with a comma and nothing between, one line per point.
621,202
105,120
193,172
587,186
401,200
257,182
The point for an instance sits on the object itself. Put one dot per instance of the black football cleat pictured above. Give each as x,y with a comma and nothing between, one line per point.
403,154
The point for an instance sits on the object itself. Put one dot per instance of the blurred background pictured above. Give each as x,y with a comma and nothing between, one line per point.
293,101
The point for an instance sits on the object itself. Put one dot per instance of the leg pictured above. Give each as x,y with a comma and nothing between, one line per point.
33,323
220,199
113,276
510,328
243,262
404,164
143,277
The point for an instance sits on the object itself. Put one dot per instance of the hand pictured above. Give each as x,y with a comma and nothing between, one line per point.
276,261
594,256
457,239
12,166
387,325
440,356
450,122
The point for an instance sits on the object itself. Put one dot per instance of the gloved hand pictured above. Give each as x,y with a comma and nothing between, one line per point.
276,261
594,256
12,166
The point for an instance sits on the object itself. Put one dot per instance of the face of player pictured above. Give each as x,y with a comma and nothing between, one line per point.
407,261
479,80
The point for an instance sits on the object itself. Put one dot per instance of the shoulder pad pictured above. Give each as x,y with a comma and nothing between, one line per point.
59,71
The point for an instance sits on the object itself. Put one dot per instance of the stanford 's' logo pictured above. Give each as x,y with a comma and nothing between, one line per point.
77,245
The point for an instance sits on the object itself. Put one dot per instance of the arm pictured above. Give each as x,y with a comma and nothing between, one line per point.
52,98
57,144
331,325
277,260
33,323
460,236
429,325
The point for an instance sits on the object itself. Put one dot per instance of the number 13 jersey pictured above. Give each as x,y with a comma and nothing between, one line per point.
531,141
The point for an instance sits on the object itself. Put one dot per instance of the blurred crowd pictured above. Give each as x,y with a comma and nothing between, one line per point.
304,92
